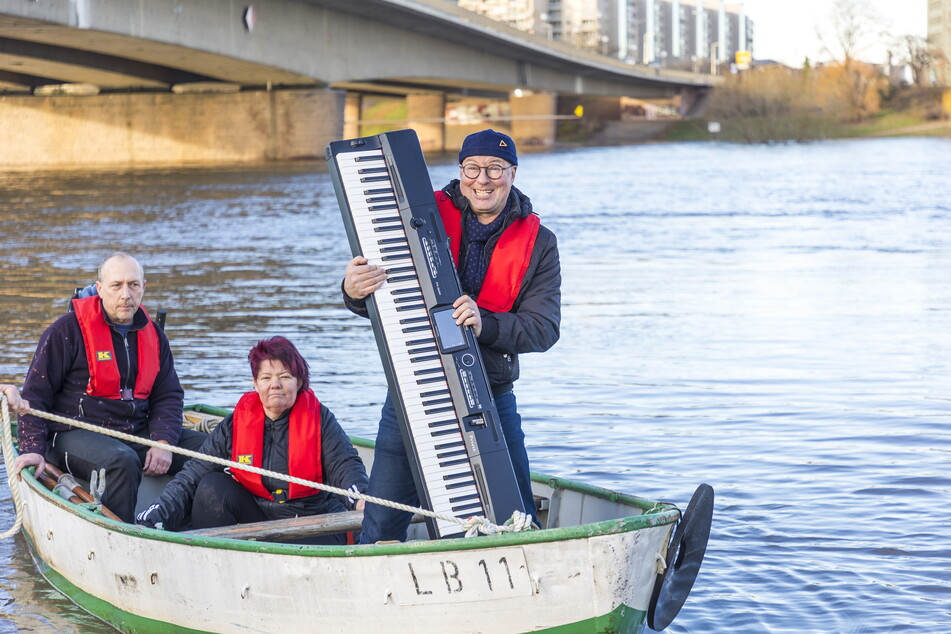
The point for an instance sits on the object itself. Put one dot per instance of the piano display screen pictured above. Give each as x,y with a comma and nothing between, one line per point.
451,336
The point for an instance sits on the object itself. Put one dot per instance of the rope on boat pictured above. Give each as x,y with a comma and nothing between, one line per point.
519,521
7,461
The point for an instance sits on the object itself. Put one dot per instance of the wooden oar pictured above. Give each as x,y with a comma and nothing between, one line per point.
50,483
82,493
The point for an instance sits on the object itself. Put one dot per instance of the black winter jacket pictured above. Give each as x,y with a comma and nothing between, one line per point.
533,324
342,468
59,373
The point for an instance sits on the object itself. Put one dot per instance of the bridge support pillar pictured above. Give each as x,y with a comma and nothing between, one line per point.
352,113
426,114
533,121
143,129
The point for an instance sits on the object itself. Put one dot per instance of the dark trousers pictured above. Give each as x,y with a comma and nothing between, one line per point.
221,501
391,477
80,452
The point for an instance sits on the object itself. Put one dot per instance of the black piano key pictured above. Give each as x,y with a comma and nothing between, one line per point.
434,392
431,357
437,401
401,278
449,454
377,221
459,485
379,190
435,379
462,508
373,157
379,199
382,207
396,249
443,423
392,241
464,498
412,307
432,371
403,300
438,410
374,179
389,228
401,269
418,329
372,170
452,463
399,256
417,342
450,445
455,430
422,350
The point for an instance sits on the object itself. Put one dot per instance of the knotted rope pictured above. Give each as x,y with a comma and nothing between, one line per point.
473,526
7,445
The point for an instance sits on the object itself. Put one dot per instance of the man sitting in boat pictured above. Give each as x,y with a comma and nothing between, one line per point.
106,363
281,427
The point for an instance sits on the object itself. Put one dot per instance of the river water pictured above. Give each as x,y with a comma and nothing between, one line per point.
772,320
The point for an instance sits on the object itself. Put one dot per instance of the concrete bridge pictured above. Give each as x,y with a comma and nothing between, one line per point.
180,81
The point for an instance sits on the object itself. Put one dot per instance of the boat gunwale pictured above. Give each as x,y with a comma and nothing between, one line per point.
655,513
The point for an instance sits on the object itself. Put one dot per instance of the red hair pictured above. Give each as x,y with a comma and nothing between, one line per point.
280,349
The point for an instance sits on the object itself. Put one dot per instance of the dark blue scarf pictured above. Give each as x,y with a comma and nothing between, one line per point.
475,234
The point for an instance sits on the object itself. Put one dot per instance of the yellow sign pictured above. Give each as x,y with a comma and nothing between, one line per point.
103,355
743,60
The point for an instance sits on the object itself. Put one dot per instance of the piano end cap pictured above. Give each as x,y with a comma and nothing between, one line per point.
357,142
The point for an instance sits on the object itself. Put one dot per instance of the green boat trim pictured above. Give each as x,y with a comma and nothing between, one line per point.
663,514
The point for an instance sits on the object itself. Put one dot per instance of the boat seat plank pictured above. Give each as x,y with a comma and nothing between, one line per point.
289,529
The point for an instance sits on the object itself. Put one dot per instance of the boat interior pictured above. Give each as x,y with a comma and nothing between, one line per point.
558,505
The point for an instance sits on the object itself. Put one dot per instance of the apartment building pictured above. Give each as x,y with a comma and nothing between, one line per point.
939,39
683,34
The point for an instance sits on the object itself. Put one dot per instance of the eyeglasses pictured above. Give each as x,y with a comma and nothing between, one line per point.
494,172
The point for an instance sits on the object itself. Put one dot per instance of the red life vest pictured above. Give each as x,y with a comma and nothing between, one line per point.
104,379
510,257
303,451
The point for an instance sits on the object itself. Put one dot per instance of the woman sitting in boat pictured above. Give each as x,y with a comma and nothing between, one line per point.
281,427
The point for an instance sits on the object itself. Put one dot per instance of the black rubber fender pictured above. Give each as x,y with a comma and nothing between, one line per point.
684,556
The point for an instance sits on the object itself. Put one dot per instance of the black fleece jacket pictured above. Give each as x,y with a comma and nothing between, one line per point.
59,373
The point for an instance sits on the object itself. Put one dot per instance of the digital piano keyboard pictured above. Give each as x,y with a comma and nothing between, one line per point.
433,367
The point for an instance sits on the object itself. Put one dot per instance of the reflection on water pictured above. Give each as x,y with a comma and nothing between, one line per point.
771,320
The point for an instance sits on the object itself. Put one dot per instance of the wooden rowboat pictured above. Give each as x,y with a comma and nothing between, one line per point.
598,566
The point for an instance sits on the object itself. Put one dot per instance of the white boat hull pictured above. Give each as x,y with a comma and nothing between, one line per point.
596,575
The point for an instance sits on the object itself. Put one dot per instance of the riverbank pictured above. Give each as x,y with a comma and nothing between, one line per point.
885,125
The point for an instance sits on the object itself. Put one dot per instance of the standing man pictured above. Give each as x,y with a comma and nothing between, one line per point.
106,363
511,276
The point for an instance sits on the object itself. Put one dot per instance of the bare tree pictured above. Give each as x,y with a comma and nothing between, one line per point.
852,27
915,53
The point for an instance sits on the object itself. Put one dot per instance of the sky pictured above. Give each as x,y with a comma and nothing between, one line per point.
785,30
